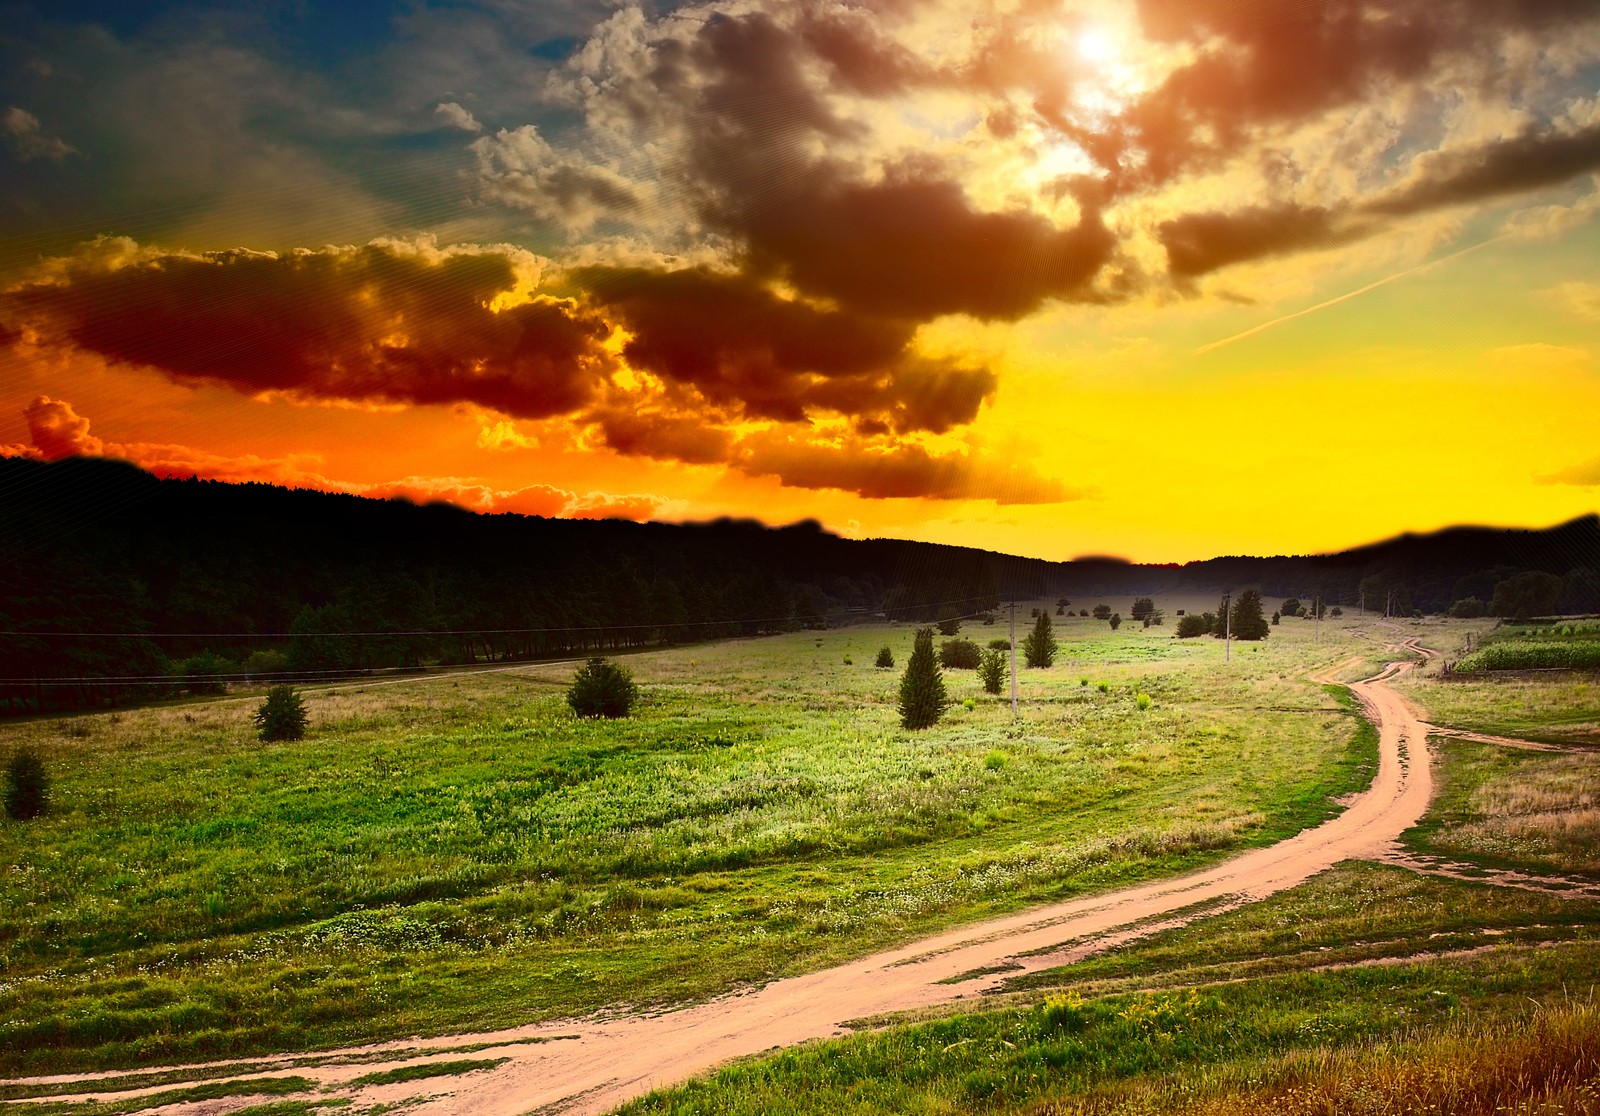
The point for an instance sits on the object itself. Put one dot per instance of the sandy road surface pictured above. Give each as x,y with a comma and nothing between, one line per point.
598,1064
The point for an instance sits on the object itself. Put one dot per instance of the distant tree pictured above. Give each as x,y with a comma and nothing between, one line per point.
1060,611
27,792
1336,611
959,654
1291,607
1155,619
949,627
1530,593
992,669
1102,612
1246,619
282,716
1039,648
885,657
1033,613
1083,612
1469,609
1115,621
1142,607
1277,618
602,689
1062,602
1191,626
200,673
922,695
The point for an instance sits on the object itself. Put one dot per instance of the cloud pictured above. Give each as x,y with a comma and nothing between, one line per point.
1528,161
387,322
27,139
457,117
1584,475
736,343
1198,243
1581,299
901,471
56,430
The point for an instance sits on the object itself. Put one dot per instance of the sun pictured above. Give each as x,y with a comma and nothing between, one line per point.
1096,46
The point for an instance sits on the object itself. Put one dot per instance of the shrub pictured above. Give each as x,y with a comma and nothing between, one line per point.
968,704
995,760
1291,607
992,669
885,657
1103,687
1336,611
1277,619
1083,612
1115,621
1102,612
200,673
949,627
1142,701
282,716
922,696
1142,607
959,654
1469,608
1040,646
1083,680
848,661
27,787
1000,644
266,662
602,689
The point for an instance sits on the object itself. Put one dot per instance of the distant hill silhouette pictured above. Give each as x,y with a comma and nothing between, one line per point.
115,584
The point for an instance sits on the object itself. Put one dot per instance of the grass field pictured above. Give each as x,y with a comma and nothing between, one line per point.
447,854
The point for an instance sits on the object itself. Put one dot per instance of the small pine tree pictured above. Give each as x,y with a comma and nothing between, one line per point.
27,786
992,669
602,689
282,716
885,657
1040,646
922,696
1115,621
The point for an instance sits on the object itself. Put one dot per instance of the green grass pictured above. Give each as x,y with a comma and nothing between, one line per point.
1535,811
260,1086
1531,654
455,854
1232,999
1560,709
424,1071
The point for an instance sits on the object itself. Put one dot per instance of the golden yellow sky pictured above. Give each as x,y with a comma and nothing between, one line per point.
1165,279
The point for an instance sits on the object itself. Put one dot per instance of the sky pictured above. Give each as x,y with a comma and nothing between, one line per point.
1161,279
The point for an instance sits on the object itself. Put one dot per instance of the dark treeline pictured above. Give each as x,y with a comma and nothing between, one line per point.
130,586
117,586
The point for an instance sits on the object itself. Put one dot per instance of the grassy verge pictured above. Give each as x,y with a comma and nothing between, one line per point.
1536,811
1186,1030
455,854
1557,709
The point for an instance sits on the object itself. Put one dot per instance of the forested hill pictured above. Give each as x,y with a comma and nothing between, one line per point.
113,578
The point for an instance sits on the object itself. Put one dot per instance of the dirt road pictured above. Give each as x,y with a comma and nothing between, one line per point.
615,1060
596,1065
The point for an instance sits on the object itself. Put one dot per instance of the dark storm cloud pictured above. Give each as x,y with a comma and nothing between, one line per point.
378,323
1524,162
736,342
1198,243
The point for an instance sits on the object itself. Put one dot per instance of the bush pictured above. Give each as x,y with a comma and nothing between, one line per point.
1468,609
200,673
992,669
1102,612
27,786
1336,611
958,654
922,697
1000,644
602,689
1191,626
949,627
1291,607
1040,646
282,716
266,662
1115,621
1083,612
1142,607
885,657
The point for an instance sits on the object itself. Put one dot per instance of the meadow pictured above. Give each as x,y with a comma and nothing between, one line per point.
454,853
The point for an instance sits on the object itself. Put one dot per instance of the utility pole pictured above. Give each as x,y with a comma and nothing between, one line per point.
1227,626
1013,658
1316,608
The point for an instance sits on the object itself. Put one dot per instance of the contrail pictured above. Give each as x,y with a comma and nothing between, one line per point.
1346,297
